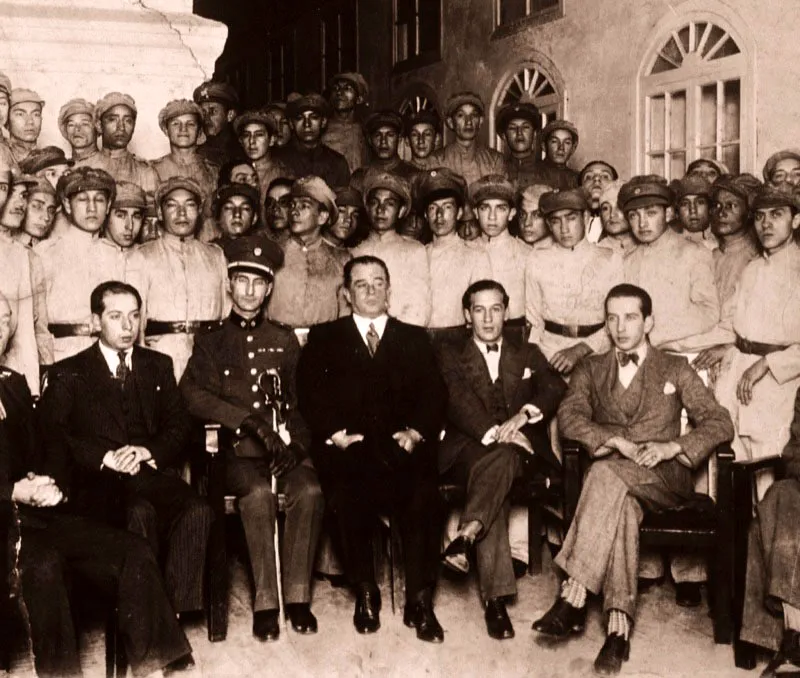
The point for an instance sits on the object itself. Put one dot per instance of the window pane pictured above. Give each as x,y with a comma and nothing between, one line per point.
657,165
542,5
708,114
511,10
677,122
730,156
729,48
683,35
288,67
677,165
731,116
429,25
713,38
406,11
331,48
656,124
402,42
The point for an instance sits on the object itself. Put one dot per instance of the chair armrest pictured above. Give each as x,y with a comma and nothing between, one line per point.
747,467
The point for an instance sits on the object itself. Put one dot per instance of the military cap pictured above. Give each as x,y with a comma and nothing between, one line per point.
523,110
720,167
254,117
315,188
607,165
20,95
572,199
349,197
24,179
112,99
769,196
611,192
690,185
308,102
175,108
42,158
439,183
425,116
566,125
150,211
73,107
384,118
534,192
491,186
458,99
255,254
642,190
5,84
744,185
374,179
229,190
220,92
130,195
42,185
173,184
356,79
86,179
775,158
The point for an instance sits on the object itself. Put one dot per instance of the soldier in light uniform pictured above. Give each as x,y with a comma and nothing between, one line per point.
255,131
276,210
47,163
531,223
75,262
519,124
39,214
453,264
235,209
422,134
22,284
492,199
782,169
222,384
115,122
125,221
76,123
181,120
343,133
559,140
383,130
706,168
595,177
24,122
182,280
387,199
5,104
566,284
693,208
219,103
277,112
617,235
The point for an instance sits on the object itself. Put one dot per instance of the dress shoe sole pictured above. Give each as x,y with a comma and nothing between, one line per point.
430,639
572,631
304,630
267,638
507,635
365,631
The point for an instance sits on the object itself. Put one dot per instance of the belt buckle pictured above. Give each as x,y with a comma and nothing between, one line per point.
183,327
571,331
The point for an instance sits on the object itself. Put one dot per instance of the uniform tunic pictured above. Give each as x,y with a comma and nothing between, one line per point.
395,166
507,256
269,169
201,170
119,255
410,280
471,163
622,246
320,161
523,171
454,266
705,238
74,265
221,148
569,287
557,176
679,276
180,280
348,139
125,166
306,289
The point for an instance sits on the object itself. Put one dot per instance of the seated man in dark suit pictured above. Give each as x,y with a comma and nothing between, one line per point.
501,397
115,413
625,407
371,393
55,546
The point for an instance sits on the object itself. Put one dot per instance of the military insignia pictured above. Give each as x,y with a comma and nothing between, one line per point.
257,251
433,173
637,191
204,92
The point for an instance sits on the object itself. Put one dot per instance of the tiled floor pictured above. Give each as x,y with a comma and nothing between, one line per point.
669,641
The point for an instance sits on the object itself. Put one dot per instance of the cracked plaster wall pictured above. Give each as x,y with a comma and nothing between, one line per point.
155,50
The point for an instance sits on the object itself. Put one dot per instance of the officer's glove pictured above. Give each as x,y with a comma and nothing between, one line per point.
258,427
285,460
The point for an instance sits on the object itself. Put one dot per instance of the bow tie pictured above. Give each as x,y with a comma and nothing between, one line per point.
492,347
625,358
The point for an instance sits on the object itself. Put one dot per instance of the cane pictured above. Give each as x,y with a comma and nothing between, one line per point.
273,399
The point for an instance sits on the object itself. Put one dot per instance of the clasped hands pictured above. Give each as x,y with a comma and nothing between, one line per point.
648,454
35,490
127,459
407,439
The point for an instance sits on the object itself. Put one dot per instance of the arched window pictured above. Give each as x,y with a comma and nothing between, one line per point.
695,94
529,81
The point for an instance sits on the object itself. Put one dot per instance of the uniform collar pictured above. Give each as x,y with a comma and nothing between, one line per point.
786,252
245,323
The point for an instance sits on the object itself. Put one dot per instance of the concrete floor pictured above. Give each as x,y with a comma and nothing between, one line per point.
668,641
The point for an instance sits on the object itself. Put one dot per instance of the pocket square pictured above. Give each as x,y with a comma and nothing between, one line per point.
669,388
526,374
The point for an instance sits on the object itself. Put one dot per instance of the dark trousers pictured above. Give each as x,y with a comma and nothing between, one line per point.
114,563
377,477
249,479
166,511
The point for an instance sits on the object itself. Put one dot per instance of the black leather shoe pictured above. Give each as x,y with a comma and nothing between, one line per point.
687,594
180,665
520,568
301,618
266,626
456,555
498,625
420,616
787,655
561,620
367,618
614,651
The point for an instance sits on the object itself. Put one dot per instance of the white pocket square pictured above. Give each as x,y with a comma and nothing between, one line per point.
526,374
669,388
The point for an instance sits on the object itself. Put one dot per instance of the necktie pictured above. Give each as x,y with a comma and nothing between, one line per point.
492,347
122,369
372,339
625,358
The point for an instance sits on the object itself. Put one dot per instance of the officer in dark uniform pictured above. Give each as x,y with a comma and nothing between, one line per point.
223,383
219,102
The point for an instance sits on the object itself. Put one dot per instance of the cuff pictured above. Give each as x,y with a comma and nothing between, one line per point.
533,413
490,436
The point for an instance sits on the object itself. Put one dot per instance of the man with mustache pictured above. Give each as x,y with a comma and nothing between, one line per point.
559,139
24,121
219,103
343,133
181,120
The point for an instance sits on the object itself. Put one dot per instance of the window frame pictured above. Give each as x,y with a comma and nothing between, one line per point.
530,19
421,58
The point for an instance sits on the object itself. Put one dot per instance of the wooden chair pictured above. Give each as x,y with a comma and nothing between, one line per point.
744,653
700,523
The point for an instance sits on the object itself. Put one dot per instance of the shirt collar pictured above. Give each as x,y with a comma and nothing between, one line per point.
111,356
641,352
245,323
363,323
482,345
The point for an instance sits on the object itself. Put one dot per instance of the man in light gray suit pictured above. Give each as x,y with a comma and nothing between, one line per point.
625,407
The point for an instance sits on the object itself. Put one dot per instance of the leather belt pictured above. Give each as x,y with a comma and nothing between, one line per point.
155,327
515,322
756,347
572,331
64,330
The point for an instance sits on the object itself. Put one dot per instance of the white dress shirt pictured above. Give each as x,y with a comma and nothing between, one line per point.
112,357
492,358
363,323
628,372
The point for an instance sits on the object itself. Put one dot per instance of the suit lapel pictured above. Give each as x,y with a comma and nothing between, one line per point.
106,390
476,372
511,369
353,336
142,377
651,379
609,380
